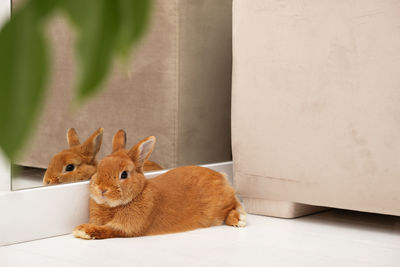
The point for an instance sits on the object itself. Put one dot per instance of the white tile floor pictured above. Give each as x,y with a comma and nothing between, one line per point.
332,238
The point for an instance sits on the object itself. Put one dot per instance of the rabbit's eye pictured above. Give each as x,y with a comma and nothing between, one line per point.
124,175
69,168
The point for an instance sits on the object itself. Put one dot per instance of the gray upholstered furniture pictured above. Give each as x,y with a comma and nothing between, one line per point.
315,111
177,87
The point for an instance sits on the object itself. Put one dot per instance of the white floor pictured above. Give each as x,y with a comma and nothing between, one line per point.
332,238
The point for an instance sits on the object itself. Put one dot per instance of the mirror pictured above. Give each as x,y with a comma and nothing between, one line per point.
176,86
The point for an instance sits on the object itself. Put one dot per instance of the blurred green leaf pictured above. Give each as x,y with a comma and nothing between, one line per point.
109,27
23,69
40,9
133,22
104,27
97,32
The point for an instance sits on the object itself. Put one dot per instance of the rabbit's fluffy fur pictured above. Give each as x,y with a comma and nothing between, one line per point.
182,199
82,157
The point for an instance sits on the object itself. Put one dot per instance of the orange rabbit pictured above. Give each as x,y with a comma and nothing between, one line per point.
78,163
125,204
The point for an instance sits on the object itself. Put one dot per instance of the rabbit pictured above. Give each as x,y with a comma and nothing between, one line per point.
78,163
123,203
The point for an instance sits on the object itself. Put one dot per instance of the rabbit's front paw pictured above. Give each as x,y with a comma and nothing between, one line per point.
88,231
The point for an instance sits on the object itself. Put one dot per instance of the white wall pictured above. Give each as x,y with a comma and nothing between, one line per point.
5,8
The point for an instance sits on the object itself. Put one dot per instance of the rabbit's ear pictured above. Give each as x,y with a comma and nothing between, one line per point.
92,145
72,137
142,150
119,140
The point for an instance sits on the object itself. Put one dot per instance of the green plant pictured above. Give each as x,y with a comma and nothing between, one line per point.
105,28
